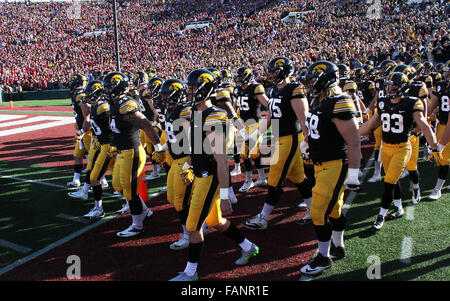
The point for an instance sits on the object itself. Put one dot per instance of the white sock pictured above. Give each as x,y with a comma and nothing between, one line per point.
338,238
191,268
267,210
324,247
231,193
237,166
248,176
383,212
308,202
377,171
103,180
144,206
98,204
76,177
246,245
415,186
398,203
261,174
439,184
137,221
86,187
185,232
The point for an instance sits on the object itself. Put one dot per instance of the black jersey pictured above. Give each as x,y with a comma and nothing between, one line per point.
202,158
222,95
177,138
77,98
442,92
397,118
365,92
100,122
280,107
125,134
324,140
249,106
380,86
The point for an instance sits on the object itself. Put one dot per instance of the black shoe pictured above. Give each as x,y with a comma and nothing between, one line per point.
397,213
379,222
316,265
337,252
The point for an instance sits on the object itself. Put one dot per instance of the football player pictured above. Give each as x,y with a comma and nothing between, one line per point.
440,100
126,120
333,144
173,97
210,190
83,137
101,154
288,107
396,114
250,96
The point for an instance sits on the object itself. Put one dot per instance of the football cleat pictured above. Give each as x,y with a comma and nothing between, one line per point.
154,175
260,182
84,171
397,213
74,184
374,178
302,205
435,194
236,171
415,196
130,232
182,276
147,216
256,223
125,209
79,194
205,229
317,264
337,252
95,213
247,185
247,255
379,222
181,244
105,184
233,199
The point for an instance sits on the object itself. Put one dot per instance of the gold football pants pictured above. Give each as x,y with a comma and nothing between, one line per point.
101,158
82,147
178,193
394,158
446,150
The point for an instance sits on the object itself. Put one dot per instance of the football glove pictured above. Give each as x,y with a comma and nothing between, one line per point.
304,147
159,157
187,176
352,181
79,135
435,157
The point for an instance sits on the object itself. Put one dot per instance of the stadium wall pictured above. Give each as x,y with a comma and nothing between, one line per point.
38,95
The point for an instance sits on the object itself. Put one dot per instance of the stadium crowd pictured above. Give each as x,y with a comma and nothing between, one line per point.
41,44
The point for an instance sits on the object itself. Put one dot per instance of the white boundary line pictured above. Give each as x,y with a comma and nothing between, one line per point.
64,239
405,255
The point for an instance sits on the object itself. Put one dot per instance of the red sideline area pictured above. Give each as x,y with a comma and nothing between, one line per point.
37,108
284,246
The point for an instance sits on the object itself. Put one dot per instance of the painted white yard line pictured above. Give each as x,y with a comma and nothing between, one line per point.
351,196
405,255
409,212
64,239
73,218
10,117
61,121
21,122
15,247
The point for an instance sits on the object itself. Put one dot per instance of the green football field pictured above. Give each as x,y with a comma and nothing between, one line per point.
35,213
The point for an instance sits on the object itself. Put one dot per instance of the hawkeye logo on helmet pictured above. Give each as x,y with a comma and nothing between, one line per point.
319,69
96,86
205,78
157,83
175,87
116,79
279,62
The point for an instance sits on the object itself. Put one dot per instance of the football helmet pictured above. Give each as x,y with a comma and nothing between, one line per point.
243,76
77,81
201,83
94,90
344,72
439,67
279,69
369,63
116,83
140,78
151,72
359,74
217,76
385,67
173,91
367,68
428,66
129,74
322,75
405,69
446,70
397,84
226,76
418,66
154,86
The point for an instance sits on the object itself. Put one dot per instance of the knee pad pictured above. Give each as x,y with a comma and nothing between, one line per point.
338,224
274,195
